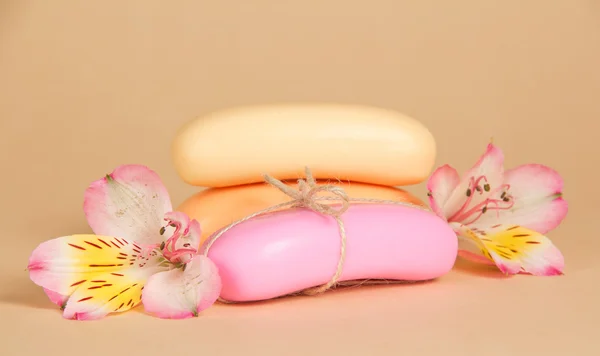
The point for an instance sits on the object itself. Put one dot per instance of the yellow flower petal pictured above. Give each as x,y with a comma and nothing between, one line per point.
95,274
106,293
514,249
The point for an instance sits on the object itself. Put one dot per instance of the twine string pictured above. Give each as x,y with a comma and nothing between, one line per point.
309,195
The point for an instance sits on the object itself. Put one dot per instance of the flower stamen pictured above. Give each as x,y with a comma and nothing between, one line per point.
169,248
472,184
475,212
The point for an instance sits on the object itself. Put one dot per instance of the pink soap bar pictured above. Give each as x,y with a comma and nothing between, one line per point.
291,250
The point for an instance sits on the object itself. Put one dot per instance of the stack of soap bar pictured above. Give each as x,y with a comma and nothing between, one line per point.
366,151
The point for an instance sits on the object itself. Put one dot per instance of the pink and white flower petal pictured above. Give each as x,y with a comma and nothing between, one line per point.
517,249
485,178
130,202
62,264
504,264
491,162
107,293
183,293
57,298
537,194
440,185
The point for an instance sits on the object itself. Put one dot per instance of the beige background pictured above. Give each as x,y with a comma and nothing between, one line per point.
86,86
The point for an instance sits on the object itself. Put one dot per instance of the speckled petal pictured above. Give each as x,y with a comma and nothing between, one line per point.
107,293
88,275
60,264
130,203
516,249
538,202
180,294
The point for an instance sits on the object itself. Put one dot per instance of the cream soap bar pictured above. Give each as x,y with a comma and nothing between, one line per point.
356,143
291,250
215,208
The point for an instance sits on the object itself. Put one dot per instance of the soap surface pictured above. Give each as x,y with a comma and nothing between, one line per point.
215,208
291,250
356,143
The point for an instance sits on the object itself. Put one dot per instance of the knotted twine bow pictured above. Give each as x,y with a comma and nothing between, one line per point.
307,196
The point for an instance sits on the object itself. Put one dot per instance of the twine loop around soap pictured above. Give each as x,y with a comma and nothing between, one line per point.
309,195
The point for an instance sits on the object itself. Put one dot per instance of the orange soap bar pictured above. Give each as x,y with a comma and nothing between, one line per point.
215,208
347,142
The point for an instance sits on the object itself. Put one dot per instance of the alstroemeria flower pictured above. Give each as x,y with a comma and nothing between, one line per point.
142,251
500,216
